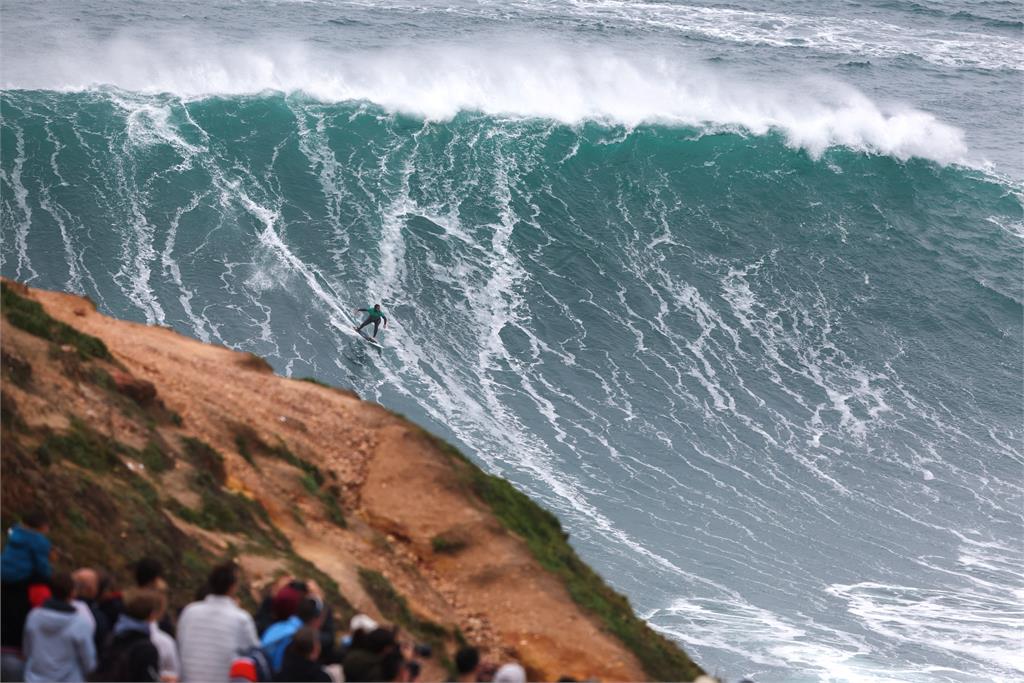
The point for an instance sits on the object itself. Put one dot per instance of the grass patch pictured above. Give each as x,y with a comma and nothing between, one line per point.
30,316
242,446
447,545
154,458
309,470
330,498
84,447
17,369
100,378
394,608
661,659
205,458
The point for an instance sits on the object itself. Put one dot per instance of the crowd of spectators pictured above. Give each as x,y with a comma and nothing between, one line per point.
61,626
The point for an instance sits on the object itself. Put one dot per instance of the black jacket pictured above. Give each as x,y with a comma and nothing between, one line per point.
300,669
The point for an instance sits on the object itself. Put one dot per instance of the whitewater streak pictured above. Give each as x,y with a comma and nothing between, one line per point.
519,80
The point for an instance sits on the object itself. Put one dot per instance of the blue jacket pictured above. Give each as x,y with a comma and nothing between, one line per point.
58,644
277,638
27,556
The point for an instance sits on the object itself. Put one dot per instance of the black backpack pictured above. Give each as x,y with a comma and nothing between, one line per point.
129,656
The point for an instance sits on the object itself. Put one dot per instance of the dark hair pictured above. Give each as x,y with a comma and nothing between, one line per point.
391,664
376,641
304,642
147,570
309,609
223,578
35,519
467,659
61,586
106,582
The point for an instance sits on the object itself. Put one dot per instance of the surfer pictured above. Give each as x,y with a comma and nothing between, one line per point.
373,315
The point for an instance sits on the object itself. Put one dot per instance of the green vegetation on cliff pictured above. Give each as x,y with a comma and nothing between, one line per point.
30,316
543,534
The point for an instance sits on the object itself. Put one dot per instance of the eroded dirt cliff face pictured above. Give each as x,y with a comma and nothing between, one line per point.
141,441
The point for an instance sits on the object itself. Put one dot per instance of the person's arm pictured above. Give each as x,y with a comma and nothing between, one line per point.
26,642
362,310
247,636
385,319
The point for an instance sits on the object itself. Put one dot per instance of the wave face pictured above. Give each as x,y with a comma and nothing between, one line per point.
735,291
761,388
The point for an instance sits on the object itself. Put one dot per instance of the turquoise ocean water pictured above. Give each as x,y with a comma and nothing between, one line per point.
735,289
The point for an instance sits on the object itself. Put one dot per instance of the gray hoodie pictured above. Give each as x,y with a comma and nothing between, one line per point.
58,644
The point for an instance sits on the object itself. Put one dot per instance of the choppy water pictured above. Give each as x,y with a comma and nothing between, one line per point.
736,289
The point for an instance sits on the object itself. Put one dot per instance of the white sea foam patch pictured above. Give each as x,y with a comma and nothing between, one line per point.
976,624
521,80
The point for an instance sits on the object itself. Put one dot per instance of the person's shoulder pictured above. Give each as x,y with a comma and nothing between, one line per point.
161,639
190,610
243,615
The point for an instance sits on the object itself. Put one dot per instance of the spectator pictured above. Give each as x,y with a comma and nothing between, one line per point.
281,602
278,637
25,560
300,659
510,673
131,654
109,602
373,656
467,664
87,588
170,667
149,573
27,554
58,640
212,631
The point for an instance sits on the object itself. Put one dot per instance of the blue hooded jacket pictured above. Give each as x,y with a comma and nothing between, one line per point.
58,644
27,556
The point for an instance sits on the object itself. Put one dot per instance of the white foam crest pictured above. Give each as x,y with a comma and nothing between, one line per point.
979,625
740,627
528,79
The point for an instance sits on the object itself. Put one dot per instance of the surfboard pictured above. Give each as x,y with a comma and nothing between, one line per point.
370,339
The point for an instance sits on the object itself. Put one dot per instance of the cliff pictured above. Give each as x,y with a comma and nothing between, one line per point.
139,441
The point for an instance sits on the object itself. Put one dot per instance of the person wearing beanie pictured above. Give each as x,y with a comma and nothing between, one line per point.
278,637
